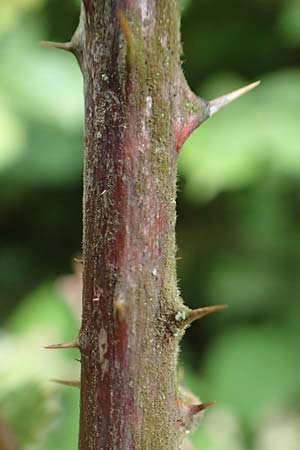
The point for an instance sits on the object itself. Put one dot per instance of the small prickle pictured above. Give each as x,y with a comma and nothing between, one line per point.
185,318
72,383
220,102
71,344
61,45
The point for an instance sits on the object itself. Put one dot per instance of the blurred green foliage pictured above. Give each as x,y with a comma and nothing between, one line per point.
238,222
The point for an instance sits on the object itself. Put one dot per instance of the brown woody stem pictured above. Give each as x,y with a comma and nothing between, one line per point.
134,93
138,112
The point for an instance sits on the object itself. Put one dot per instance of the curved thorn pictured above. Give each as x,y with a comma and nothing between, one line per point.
195,409
72,383
78,260
220,102
71,344
61,45
196,314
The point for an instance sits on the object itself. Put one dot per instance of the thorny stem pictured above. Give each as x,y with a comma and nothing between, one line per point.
139,111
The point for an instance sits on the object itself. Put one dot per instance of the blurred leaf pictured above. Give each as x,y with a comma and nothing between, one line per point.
236,146
12,135
220,430
251,369
55,96
247,285
51,158
289,23
201,440
27,400
30,410
43,309
279,430
10,11
42,319
184,4
66,427
51,109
